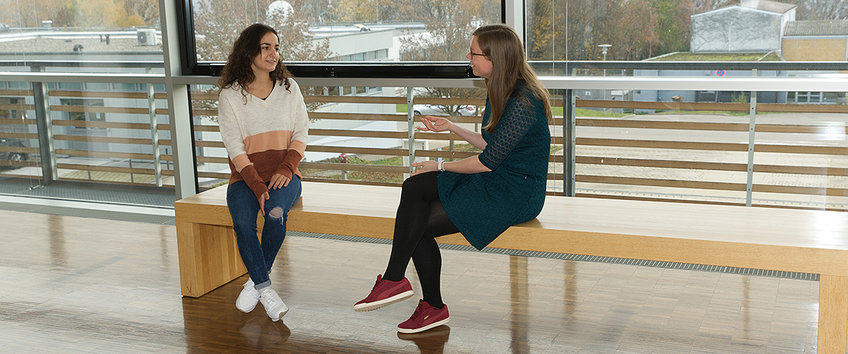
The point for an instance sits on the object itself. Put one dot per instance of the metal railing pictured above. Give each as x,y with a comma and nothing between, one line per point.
746,152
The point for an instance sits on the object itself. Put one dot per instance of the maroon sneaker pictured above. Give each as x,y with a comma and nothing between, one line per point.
385,292
424,318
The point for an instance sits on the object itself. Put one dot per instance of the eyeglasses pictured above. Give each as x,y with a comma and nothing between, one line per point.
480,54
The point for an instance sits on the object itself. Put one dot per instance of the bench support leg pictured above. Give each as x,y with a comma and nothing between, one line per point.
209,257
833,314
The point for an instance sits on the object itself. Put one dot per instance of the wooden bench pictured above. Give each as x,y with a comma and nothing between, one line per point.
803,241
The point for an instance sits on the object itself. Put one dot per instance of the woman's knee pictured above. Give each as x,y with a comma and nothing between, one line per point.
276,212
417,186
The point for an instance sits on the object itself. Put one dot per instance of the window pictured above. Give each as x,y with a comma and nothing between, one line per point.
80,113
677,30
58,33
314,31
815,97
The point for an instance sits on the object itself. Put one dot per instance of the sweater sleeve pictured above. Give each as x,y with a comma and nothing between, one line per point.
300,134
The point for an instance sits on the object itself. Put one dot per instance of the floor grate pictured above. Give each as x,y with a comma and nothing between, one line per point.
584,258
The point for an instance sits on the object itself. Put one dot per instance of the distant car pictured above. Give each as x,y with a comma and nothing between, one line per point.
15,156
433,109
4,27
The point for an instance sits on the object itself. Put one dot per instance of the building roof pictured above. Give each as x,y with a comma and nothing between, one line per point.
766,5
774,7
64,42
817,28
711,57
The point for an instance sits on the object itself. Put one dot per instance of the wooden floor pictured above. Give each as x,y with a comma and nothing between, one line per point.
95,285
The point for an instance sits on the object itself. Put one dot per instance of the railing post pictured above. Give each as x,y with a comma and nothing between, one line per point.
752,108
44,125
154,132
410,128
569,142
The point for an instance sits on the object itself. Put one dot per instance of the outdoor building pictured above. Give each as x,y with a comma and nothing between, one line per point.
750,26
822,40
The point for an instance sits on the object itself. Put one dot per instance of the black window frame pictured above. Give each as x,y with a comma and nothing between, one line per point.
412,70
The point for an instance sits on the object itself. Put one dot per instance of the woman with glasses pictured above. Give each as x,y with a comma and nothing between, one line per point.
479,196
263,124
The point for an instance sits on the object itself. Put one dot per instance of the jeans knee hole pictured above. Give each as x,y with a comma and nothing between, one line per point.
276,213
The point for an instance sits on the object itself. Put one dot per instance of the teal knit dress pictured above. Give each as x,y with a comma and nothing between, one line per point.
484,205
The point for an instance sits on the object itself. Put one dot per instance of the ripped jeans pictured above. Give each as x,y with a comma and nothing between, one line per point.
258,257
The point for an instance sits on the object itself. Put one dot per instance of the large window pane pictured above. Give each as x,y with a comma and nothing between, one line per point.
684,30
347,30
79,32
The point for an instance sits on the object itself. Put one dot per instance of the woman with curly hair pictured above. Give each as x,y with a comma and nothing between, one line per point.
263,124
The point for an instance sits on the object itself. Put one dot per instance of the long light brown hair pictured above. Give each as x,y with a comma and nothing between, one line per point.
503,47
246,47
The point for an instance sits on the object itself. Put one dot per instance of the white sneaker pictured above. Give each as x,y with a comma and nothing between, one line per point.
248,297
274,306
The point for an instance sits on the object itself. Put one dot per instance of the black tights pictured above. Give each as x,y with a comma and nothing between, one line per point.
420,219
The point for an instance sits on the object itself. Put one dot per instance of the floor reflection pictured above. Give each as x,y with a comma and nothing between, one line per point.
519,296
432,341
56,230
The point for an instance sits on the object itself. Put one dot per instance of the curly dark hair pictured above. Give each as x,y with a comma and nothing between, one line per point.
246,47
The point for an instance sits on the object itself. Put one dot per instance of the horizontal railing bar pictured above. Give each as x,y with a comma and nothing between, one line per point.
88,153
102,139
84,63
358,116
358,133
113,125
352,167
354,150
354,99
18,135
653,124
15,92
802,149
81,167
27,150
571,64
18,121
99,109
692,165
82,77
657,144
678,106
821,191
656,182
17,106
210,159
98,94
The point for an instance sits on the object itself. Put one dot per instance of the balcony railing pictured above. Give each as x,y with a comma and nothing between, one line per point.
610,144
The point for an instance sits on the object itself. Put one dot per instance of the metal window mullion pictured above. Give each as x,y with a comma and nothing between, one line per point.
569,143
44,125
154,132
179,104
410,127
749,187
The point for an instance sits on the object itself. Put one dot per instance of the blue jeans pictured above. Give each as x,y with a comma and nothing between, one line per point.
244,208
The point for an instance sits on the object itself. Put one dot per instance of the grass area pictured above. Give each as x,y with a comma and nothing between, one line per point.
719,113
557,111
719,57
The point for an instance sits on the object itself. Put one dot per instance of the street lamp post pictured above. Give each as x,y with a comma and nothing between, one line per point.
604,49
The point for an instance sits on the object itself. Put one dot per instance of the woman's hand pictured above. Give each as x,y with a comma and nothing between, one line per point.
278,181
436,124
265,196
425,166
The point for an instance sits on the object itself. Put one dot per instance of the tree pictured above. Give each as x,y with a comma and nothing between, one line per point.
447,38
